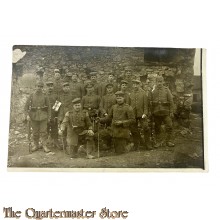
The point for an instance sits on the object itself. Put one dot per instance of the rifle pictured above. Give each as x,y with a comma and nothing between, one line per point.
29,136
152,131
98,137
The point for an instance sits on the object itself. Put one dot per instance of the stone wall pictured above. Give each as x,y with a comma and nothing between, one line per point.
178,73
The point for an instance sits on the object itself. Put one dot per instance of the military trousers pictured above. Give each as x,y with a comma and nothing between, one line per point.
52,129
166,119
141,125
39,130
74,140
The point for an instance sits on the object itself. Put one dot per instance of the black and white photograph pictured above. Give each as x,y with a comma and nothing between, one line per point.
106,107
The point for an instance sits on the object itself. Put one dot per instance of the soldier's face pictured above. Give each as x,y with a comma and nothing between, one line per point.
109,89
66,89
77,107
57,75
110,77
50,88
93,78
123,86
160,82
39,88
120,100
128,74
74,78
83,77
136,86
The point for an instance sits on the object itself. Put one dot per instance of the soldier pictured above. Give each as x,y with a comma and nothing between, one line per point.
139,104
97,86
109,80
77,88
79,128
38,110
122,117
91,101
183,110
162,109
128,78
107,100
123,88
66,105
57,82
52,126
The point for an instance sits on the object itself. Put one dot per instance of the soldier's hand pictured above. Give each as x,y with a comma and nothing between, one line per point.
60,132
97,120
28,118
90,133
118,123
144,116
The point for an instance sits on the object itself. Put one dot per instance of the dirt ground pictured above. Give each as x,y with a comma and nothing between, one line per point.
187,153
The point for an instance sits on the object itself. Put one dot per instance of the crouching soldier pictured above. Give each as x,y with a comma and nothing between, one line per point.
79,128
122,116
38,111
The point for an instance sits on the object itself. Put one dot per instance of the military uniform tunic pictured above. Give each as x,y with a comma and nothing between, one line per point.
107,102
75,123
39,109
66,100
162,106
139,104
125,114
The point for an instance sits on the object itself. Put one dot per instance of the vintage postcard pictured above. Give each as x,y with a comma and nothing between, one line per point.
106,107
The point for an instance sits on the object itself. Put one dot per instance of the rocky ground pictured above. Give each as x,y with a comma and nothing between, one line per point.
187,153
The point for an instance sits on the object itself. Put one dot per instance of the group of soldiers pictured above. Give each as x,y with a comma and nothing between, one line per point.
96,112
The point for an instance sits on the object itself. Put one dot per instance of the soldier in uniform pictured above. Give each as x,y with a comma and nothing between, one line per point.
57,82
139,104
91,101
38,110
162,109
52,127
121,116
128,78
79,128
97,86
65,98
123,88
110,80
107,100
77,88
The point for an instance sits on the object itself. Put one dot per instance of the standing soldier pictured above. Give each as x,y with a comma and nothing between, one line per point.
79,128
97,86
139,104
76,88
38,110
91,101
123,88
128,78
122,117
162,109
52,126
107,100
66,99
110,80
57,82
